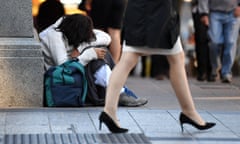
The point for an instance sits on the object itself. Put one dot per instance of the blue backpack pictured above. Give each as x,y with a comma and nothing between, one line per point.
65,85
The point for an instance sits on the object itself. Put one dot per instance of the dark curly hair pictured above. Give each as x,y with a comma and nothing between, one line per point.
77,28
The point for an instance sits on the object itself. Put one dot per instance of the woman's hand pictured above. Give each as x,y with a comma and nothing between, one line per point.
101,52
75,53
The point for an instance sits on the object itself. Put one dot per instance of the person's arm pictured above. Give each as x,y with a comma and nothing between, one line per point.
203,8
89,54
88,5
57,47
237,10
102,38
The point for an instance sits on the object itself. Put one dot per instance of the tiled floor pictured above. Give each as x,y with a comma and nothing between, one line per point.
158,120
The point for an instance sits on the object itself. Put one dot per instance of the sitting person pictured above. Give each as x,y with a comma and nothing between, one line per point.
71,36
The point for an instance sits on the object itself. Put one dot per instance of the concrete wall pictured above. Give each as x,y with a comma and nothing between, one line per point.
21,61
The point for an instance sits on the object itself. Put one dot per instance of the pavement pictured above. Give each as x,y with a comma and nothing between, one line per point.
156,122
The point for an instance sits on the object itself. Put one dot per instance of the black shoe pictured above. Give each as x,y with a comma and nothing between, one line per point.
110,124
186,120
201,78
212,78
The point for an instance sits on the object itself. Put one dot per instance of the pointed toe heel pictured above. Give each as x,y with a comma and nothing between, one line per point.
108,121
186,120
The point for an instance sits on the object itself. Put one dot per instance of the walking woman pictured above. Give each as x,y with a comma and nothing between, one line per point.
151,27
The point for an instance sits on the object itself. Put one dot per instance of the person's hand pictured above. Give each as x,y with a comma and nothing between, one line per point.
75,53
88,5
205,20
101,52
237,11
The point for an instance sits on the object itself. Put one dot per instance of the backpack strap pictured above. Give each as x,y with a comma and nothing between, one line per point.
92,46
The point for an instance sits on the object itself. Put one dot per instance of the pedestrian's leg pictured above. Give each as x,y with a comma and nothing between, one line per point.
114,27
214,54
180,85
229,43
235,36
117,80
115,45
216,37
201,48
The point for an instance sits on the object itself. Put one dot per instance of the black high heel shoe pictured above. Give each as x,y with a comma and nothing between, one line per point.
186,120
112,126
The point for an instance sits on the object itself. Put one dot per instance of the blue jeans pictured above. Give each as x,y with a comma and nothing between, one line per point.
221,32
236,34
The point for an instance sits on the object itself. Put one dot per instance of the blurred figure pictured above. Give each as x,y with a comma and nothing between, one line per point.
159,67
236,33
201,45
155,66
49,12
107,15
221,17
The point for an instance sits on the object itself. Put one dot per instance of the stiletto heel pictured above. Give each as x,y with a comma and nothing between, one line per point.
112,126
186,120
100,124
181,124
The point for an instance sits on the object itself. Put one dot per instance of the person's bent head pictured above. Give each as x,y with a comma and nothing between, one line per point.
77,28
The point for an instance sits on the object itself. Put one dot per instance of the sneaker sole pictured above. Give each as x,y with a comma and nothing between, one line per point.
133,105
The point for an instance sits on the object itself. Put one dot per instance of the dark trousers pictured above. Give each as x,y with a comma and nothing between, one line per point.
159,66
201,47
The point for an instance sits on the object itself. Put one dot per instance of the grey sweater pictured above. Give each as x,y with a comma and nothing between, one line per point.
205,6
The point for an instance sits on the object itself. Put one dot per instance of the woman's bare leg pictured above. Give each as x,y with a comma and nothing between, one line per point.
180,85
117,80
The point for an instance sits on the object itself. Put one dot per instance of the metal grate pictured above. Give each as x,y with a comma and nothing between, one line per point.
123,139
75,139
